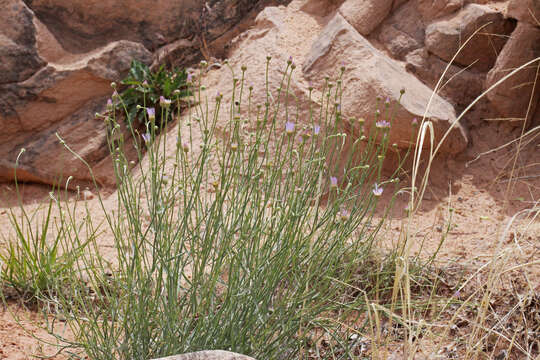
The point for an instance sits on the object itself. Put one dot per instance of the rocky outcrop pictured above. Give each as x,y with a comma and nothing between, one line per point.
365,15
525,11
19,58
403,31
370,74
58,58
208,355
62,99
445,37
513,96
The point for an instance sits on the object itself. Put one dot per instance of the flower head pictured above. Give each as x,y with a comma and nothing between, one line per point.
109,105
382,124
316,130
164,102
146,137
377,190
333,182
414,122
151,112
289,128
344,214
189,78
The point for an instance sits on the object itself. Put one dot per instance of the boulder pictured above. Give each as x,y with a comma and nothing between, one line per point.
512,97
459,86
433,9
444,38
365,15
19,58
82,26
61,98
524,10
403,31
370,74
208,355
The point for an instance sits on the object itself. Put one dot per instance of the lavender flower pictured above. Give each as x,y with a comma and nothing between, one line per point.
185,147
109,105
333,182
316,130
289,128
344,214
189,78
382,124
414,122
151,113
164,102
146,137
377,190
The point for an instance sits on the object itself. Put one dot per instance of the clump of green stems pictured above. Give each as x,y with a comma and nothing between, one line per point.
239,242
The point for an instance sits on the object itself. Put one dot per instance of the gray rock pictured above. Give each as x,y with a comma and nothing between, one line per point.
208,355
444,38
369,73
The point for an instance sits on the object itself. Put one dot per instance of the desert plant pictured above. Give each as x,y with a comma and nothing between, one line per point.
253,242
147,88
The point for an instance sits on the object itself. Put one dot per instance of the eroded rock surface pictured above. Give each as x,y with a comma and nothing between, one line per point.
445,37
370,74
57,58
513,96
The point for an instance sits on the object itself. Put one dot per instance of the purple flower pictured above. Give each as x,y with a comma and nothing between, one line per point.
151,113
289,128
290,60
414,122
145,83
387,102
164,102
185,147
333,182
377,190
382,124
189,78
316,130
344,214
109,105
146,137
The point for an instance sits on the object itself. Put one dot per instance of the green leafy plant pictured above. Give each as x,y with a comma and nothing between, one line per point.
145,88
